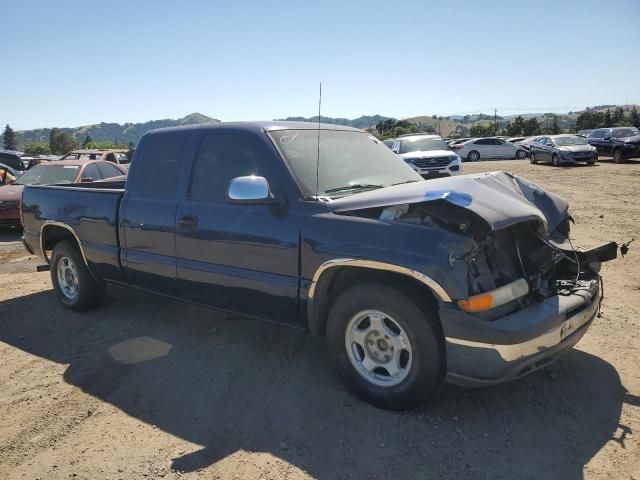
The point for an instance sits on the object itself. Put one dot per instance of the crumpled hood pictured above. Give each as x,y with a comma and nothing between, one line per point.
427,154
11,192
501,199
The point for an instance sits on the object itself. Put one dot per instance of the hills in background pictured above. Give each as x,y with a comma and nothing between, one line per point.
111,132
446,126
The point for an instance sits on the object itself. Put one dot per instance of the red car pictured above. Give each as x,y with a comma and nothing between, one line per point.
59,172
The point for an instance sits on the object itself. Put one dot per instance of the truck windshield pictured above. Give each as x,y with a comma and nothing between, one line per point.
349,161
415,144
48,175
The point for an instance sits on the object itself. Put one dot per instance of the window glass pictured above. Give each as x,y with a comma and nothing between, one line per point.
597,134
108,170
91,171
483,141
624,132
48,174
158,168
222,157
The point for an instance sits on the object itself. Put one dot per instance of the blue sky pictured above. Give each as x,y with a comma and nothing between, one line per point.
70,63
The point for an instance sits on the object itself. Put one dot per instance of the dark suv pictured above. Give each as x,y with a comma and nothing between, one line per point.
12,159
621,143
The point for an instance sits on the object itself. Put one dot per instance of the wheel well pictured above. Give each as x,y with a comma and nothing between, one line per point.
336,280
52,234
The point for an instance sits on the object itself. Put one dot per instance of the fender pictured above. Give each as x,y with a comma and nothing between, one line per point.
51,223
434,286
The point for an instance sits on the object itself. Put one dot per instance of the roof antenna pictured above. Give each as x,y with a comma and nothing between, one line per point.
318,154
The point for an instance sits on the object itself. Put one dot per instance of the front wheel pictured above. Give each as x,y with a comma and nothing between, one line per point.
532,158
74,285
387,350
555,160
473,156
617,156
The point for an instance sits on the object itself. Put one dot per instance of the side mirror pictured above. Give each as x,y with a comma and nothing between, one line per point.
87,180
250,190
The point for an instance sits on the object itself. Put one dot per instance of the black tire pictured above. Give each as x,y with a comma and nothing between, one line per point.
618,157
426,370
555,160
532,158
88,292
521,154
473,156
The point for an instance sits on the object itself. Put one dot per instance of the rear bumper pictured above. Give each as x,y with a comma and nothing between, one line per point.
520,343
9,216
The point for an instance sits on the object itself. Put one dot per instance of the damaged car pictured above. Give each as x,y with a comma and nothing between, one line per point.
473,279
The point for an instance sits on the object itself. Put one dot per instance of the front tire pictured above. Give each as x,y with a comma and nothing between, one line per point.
532,158
74,285
387,350
617,156
473,156
555,160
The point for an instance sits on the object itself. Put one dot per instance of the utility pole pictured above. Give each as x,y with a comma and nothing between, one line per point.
495,119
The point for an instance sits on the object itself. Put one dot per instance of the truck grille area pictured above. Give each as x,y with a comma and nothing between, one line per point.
435,162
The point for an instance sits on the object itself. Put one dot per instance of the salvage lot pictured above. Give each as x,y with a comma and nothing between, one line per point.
148,387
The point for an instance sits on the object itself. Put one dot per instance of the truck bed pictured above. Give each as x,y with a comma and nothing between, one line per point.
89,211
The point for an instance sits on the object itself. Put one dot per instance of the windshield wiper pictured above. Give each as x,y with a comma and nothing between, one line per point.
401,183
356,186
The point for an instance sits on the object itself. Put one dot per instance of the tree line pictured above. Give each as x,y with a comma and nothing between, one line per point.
60,143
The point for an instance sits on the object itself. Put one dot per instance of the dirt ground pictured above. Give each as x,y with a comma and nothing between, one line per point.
146,387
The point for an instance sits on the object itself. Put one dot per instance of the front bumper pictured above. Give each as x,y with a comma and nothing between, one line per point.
446,171
483,352
573,158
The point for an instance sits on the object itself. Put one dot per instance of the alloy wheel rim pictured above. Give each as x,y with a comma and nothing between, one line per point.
68,278
378,348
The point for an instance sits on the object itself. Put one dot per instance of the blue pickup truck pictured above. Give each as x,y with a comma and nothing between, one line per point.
468,279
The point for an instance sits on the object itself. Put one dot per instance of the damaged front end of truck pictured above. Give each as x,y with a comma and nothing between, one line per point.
523,294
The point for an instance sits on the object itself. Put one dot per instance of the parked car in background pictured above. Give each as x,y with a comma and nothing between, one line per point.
428,155
13,159
53,173
412,283
562,149
489,148
8,174
389,142
621,143
115,155
584,133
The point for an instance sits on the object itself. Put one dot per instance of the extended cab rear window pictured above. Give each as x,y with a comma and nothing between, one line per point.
158,168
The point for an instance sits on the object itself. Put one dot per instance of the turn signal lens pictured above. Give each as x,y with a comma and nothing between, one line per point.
495,298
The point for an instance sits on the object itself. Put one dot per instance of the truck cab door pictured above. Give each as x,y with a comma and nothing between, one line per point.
239,257
148,212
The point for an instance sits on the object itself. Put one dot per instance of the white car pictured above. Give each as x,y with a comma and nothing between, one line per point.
489,148
428,155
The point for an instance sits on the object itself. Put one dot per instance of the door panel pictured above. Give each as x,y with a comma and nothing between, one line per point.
149,213
238,257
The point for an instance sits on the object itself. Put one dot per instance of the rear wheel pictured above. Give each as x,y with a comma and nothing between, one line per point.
473,156
521,154
532,158
74,285
617,156
386,349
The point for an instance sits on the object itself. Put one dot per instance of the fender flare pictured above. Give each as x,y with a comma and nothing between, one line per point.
439,292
